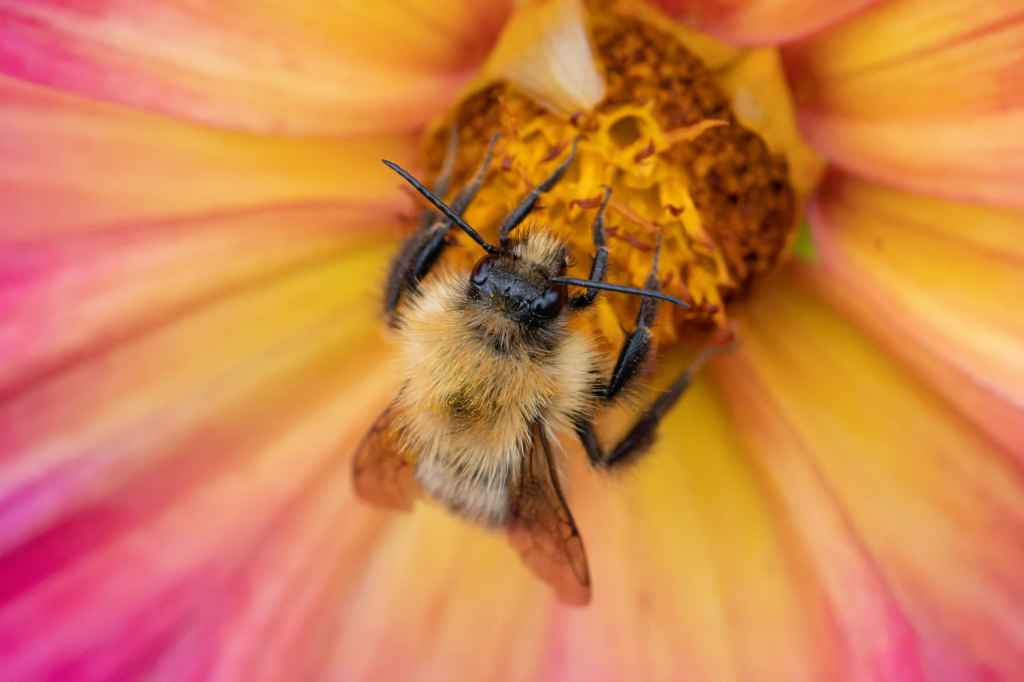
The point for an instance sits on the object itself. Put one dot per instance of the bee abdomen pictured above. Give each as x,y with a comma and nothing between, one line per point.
478,495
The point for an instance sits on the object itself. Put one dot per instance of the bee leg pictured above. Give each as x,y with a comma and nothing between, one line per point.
638,344
520,212
642,433
631,358
600,263
420,251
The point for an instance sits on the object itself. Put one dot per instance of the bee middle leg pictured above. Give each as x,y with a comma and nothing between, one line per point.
421,250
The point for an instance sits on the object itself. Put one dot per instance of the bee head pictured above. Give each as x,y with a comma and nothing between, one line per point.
520,287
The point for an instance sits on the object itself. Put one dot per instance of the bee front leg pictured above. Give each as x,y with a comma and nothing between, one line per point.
600,263
527,203
421,250
638,344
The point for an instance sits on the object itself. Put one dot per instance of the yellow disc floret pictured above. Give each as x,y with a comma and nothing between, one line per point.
684,173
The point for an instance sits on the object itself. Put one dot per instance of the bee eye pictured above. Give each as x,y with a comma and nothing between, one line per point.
548,304
481,271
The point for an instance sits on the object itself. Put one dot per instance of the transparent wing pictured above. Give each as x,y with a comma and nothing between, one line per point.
381,472
543,530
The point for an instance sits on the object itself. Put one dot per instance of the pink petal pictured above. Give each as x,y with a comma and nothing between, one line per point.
934,282
300,67
140,492
65,301
761,21
926,96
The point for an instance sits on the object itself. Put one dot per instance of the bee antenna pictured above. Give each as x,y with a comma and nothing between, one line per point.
442,207
650,293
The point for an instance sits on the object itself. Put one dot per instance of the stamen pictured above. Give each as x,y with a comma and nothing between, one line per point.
681,167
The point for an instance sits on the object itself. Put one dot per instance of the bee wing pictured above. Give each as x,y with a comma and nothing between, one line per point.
543,530
382,473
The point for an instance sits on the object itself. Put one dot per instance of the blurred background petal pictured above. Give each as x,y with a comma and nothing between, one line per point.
923,95
761,21
70,164
693,574
439,599
139,484
931,500
302,67
936,283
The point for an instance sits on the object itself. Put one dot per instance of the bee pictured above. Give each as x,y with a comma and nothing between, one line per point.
494,372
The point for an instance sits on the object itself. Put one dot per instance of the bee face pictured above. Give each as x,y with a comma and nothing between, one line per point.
519,289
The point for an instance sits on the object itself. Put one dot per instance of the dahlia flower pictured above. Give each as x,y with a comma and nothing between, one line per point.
194,230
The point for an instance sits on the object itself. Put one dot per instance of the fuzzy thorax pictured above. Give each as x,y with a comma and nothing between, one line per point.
477,383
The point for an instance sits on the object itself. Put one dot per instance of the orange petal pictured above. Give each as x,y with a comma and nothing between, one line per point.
924,95
935,283
761,21
287,67
70,164
932,506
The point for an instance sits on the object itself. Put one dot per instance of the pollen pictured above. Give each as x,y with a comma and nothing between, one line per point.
686,176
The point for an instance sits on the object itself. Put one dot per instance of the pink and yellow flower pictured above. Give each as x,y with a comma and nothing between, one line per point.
193,230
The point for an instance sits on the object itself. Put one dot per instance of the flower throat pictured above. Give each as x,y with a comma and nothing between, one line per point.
684,174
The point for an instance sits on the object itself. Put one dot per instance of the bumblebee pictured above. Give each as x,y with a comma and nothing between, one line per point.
493,372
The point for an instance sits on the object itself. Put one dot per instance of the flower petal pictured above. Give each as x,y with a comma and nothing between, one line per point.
934,504
290,67
441,599
69,164
923,95
761,21
142,392
703,570
934,282
63,301
140,491
546,51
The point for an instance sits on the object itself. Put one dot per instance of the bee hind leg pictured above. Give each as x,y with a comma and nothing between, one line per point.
631,358
421,250
641,435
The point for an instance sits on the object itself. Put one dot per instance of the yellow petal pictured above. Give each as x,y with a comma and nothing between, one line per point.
922,95
302,67
935,282
934,504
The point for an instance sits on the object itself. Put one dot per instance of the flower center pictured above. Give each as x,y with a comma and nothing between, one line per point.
684,173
